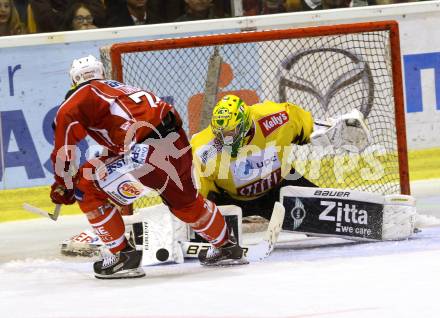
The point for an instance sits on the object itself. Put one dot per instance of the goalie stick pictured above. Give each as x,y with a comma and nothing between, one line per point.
53,216
263,249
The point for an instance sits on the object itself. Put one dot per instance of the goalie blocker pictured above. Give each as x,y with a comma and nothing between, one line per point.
349,214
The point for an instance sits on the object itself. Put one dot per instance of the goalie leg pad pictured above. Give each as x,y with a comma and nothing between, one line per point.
158,234
399,216
349,214
109,226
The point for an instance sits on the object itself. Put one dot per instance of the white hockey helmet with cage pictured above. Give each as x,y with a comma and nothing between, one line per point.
86,69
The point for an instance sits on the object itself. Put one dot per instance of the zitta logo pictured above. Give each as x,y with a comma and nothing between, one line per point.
345,214
297,213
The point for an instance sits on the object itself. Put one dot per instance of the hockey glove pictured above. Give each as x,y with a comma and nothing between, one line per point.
348,132
60,195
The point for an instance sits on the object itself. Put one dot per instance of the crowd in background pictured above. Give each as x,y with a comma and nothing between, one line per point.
36,16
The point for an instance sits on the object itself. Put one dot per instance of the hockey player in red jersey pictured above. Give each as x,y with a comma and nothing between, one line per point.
146,147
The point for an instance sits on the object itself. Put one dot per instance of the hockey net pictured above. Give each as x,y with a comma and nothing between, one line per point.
327,70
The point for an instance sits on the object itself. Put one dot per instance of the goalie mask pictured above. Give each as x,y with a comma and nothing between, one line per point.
86,69
230,122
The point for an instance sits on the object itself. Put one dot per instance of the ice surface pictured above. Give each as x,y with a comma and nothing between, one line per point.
318,277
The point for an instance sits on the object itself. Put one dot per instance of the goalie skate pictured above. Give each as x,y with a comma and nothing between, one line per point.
85,244
124,264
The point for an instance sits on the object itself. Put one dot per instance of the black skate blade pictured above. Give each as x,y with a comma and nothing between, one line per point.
125,274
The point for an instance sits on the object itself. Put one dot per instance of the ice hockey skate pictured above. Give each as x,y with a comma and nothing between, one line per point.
124,264
86,244
229,254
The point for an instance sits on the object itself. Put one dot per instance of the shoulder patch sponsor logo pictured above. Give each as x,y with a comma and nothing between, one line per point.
208,151
270,123
112,83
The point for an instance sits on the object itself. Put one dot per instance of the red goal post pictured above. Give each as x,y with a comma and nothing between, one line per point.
327,70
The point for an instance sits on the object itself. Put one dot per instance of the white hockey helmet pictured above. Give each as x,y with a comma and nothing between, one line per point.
86,69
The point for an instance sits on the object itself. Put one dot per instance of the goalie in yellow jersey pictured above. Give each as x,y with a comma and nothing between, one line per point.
240,158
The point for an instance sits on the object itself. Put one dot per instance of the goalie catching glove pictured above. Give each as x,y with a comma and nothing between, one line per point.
348,132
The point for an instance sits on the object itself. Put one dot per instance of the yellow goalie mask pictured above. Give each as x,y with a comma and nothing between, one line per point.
230,122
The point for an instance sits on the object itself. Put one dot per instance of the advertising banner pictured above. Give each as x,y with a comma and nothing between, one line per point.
34,79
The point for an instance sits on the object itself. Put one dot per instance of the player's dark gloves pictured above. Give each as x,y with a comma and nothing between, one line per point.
60,195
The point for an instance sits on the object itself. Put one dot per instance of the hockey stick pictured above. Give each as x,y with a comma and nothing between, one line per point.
53,216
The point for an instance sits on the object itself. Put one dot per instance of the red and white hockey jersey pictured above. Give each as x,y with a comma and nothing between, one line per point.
105,110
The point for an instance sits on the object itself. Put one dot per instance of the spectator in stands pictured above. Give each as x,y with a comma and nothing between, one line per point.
251,7
10,23
82,15
308,5
128,12
335,4
382,2
48,14
21,6
294,5
162,11
200,10
273,6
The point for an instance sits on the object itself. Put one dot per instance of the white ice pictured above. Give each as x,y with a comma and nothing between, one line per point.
308,278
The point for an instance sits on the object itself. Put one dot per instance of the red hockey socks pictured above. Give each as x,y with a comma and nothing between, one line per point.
108,225
206,220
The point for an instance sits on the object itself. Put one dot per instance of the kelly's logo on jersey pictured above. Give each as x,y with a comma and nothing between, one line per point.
271,122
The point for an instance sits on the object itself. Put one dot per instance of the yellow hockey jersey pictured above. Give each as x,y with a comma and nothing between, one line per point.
263,160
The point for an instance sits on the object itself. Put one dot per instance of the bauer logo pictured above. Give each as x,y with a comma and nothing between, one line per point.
332,193
271,122
129,189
